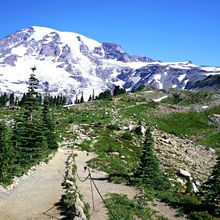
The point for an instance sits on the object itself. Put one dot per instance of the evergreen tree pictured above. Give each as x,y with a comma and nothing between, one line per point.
23,100
93,94
149,173
49,128
16,101
32,100
211,188
105,95
82,98
3,100
39,99
12,99
90,98
29,138
118,91
6,154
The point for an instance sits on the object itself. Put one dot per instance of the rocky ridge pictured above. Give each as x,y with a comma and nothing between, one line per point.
176,153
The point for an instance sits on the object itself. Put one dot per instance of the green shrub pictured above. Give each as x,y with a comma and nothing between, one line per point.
71,119
127,136
113,127
123,208
204,215
169,197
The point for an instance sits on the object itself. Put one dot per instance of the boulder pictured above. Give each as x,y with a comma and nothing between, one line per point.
179,180
114,154
215,118
132,127
80,212
211,150
143,129
70,183
184,173
195,189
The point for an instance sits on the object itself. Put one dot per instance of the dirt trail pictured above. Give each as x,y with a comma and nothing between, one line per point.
36,194
105,187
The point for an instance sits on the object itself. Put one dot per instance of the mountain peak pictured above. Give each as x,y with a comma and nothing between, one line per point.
71,63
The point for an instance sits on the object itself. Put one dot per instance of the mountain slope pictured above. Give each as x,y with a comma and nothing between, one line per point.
71,63
210,83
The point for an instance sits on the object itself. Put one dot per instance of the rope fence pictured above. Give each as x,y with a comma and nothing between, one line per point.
92,183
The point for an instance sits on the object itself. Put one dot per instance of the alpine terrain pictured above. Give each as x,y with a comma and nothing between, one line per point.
72,64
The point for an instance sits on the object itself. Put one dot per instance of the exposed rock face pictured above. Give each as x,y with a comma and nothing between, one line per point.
114,51
210,83
183,156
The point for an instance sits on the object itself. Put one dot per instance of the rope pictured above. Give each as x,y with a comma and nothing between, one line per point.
61,174
102,197
92,182
80,178
93,202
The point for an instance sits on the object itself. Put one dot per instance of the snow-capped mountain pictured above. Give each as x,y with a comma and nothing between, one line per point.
71,63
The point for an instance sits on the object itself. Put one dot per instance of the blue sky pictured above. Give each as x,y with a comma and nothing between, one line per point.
168,30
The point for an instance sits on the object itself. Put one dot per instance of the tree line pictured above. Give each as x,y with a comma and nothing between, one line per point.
9,100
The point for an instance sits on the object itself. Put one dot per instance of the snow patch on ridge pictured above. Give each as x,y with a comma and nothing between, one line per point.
181,77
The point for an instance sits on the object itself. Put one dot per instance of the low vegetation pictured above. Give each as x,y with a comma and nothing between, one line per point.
123,208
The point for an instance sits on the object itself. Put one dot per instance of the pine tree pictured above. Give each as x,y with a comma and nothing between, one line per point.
105,95
49,128
3,100
82,98
211,188
6,154
12,99
29,139
93,94
16,101
32,100
149,173
118,91
90,98
23,100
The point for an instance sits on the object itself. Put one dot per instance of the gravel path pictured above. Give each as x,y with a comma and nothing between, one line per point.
100,211
37,193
